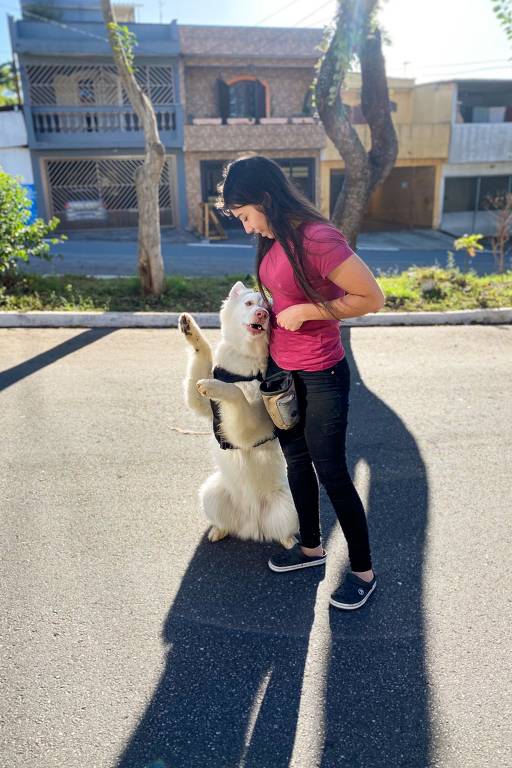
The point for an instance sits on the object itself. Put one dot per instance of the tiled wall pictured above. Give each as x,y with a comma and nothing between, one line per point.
288,88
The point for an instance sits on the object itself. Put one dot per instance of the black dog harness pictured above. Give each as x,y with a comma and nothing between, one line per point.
221,374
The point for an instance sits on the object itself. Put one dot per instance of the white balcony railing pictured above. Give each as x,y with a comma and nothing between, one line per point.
84,120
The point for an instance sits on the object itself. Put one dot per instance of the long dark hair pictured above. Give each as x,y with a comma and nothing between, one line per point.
259,181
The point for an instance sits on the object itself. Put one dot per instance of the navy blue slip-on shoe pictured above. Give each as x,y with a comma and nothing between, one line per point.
353,592
293,559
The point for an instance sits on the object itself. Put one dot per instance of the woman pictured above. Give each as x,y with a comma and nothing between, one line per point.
315,280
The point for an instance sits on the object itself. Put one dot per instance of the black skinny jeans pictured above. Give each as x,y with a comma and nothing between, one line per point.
317,442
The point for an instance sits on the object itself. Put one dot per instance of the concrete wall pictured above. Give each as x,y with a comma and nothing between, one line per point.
16,161
14,153
429,140
12,129
434,103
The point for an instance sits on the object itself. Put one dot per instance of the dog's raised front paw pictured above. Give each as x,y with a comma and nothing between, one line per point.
209,388
216,534
289,542
185,323
190,330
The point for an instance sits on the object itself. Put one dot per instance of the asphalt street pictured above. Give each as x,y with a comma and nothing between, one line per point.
185,255
129,640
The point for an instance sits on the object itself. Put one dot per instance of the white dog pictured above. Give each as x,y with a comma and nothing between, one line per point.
248,496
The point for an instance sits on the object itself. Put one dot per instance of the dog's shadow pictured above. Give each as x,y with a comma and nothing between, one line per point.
238,637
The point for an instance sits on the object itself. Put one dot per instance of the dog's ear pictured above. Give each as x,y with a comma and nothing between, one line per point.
237,289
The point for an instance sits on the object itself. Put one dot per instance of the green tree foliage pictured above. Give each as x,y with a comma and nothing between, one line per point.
19,239
503,11
8,85
123,42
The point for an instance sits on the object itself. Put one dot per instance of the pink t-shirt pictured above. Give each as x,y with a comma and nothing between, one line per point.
317,344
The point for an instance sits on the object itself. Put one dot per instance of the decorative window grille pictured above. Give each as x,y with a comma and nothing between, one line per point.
95,84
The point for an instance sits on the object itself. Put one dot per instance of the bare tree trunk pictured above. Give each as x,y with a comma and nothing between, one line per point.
147,176
356,35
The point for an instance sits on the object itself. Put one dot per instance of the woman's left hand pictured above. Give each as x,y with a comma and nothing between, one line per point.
291,318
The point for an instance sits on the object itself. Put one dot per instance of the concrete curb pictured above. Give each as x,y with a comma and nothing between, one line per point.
211,319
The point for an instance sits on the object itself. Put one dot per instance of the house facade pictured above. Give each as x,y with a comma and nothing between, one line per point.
411,194
248,90
220,92
85,140
479,164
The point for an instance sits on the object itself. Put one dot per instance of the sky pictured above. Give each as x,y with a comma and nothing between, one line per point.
429,39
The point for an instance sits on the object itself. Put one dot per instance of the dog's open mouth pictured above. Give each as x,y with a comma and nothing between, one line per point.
255,328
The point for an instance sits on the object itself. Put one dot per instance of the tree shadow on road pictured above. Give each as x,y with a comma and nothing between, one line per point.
238,637
18,372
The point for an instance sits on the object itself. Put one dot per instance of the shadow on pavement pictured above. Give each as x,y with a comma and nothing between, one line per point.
377,707
237,641
12,375
238,637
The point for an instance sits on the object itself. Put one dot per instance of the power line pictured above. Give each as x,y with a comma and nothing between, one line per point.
465,64
312,14
60,24
280,10
466,71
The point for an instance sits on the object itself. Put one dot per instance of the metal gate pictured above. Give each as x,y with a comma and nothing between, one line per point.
100,192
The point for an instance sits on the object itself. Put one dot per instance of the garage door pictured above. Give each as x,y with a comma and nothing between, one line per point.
100,192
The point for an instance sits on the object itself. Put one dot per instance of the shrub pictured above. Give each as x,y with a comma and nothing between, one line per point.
20,240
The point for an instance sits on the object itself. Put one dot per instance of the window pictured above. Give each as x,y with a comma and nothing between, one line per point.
211,176
460,194
86,91
470,193
245,97
242,99
491,187
301,172
337,179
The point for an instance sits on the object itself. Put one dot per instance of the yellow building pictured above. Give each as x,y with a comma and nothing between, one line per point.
411,195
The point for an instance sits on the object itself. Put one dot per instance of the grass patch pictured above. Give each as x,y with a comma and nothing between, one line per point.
417,289
432,289
123,294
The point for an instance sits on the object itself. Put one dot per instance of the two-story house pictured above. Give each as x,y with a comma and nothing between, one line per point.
411,194
479,166
221,91
84,137
248,89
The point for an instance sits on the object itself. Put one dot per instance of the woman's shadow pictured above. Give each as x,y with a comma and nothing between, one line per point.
238,637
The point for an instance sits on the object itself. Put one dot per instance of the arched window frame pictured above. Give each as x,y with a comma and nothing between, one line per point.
239,78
